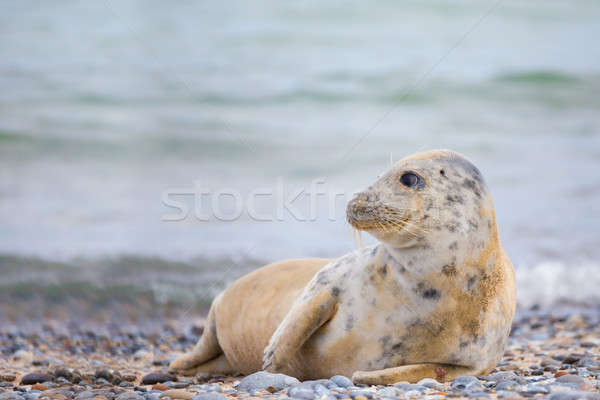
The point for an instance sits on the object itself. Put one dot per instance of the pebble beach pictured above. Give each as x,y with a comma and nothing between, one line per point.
553,353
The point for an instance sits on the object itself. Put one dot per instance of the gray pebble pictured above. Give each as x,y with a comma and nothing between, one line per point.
341,381
263,380
87,394
503,394
574,395
10,396
31,395
321,390
408,387
479,395
129,396
35,377
209,396
430,383
502,376
467,384
157,377
571,379
301,392
508,386
533,389
388,391
355,393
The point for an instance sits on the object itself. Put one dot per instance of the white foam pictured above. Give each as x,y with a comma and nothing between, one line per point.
550,283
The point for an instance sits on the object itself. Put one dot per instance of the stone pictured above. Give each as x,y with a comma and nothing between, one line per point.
430,383
35,377
479,395
341,381
10,396
8,377
177,394
570,379
129,396
157,377
388,391
534,389
209,396
301,392
264,380
507,394
508,386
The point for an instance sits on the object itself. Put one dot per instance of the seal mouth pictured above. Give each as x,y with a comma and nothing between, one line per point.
372,215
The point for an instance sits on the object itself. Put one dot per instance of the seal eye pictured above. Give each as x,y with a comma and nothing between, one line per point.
410,179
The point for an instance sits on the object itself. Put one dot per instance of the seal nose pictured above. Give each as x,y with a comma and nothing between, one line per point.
361,202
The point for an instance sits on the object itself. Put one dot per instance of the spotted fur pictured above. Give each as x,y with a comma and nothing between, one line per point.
435,298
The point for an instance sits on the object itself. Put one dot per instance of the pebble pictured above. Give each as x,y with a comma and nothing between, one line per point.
479,395
129,396
508,386
8,377
264,380
177,394
430,383
341,381
157,377
534,389
35,377
301,392
388,391
10,396
209,396
507,394
358,393
570,379
467,384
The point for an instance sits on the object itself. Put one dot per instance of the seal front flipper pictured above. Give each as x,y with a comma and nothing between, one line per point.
317,306
412,373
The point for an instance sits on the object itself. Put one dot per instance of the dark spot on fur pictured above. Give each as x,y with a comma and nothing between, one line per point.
471,185
349,322
471,282
453,246
335,291
443,173
383,271
454,199
453,226
374,251
473,224
463,344
431,294
449,269
427,292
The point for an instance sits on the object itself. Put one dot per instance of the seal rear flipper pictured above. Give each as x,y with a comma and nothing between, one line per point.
411,373
305,317
205,350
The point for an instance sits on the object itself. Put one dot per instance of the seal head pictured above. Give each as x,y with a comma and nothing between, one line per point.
425,198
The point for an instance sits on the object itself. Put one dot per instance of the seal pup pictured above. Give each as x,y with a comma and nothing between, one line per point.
435,298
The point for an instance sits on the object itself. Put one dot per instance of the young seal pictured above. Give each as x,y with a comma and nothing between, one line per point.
435,298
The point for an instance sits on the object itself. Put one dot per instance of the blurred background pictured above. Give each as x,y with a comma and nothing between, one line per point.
107,105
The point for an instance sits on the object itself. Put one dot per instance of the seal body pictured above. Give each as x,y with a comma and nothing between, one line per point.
435,298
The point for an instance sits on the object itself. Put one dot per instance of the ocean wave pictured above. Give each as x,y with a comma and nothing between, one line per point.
154,285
